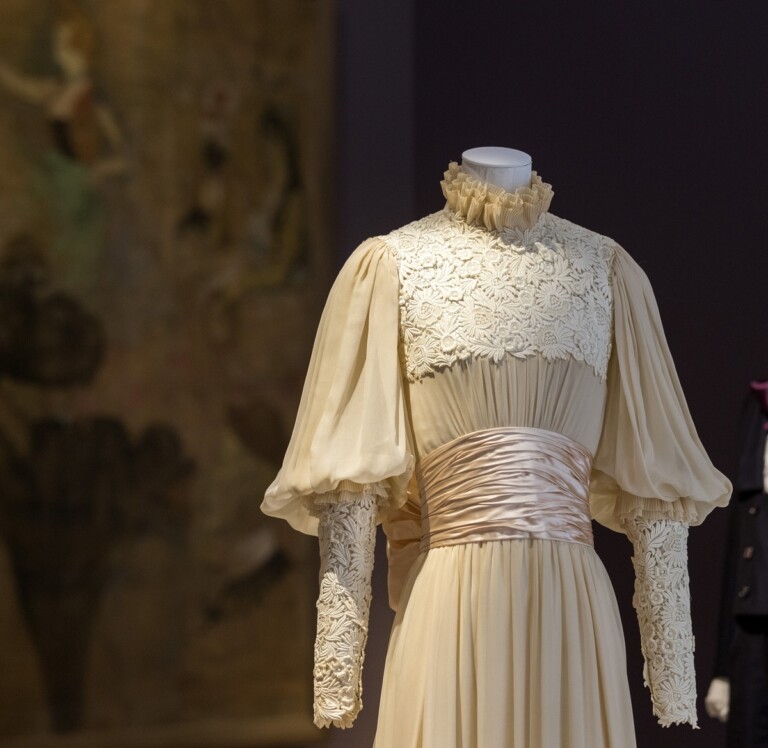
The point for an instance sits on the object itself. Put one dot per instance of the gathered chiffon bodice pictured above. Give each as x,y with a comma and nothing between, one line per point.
564,396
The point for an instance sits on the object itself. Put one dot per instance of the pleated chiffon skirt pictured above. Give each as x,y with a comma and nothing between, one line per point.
507,644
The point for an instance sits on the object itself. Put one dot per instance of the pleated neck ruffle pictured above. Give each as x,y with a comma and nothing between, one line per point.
483,204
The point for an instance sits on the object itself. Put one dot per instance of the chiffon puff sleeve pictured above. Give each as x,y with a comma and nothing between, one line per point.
350,435
650,461
651,480
349,459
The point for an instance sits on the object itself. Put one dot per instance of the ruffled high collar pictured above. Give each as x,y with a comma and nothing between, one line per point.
483,204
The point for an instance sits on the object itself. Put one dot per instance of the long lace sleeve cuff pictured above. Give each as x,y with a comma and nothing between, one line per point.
347,533
663,605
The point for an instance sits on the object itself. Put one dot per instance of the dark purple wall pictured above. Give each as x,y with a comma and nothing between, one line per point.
650,121
375,119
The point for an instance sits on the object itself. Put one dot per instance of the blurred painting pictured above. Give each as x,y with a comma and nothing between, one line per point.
164,252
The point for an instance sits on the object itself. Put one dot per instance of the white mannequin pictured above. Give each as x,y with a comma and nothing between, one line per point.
505,167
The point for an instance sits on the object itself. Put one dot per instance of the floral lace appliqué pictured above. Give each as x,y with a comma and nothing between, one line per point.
663,605
347,534
466,291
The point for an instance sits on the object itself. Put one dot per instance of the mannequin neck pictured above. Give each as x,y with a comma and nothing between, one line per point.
507,168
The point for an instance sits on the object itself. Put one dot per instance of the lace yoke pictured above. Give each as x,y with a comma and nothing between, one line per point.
493,274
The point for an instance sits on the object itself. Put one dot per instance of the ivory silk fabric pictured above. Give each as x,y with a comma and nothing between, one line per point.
493,313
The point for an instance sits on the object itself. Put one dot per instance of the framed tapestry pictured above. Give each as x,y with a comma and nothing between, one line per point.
165,172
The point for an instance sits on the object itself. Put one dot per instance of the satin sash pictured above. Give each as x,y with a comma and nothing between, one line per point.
505,483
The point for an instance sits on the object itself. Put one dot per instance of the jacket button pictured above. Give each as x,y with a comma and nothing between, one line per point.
752,510
748,552
744,591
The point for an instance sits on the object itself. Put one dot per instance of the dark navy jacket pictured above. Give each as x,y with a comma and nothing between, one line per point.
745,583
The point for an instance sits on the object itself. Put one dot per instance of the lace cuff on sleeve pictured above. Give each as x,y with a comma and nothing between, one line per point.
663,605
347,533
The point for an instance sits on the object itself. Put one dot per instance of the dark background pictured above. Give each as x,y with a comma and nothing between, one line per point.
650,121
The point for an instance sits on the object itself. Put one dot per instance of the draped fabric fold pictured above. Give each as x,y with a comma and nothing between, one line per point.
505,483
402,526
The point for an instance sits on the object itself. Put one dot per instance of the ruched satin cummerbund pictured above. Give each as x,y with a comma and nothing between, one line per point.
505,483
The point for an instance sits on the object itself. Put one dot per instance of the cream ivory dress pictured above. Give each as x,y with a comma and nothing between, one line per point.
495,313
